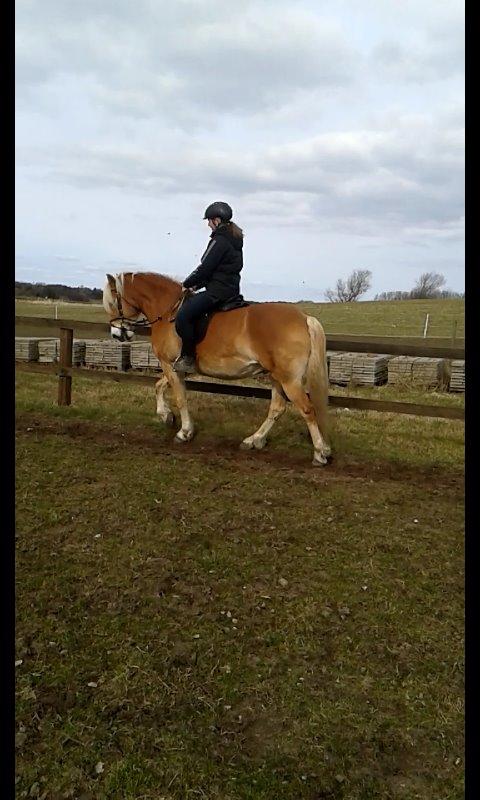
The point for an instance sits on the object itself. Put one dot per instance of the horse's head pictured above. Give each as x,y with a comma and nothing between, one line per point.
122,313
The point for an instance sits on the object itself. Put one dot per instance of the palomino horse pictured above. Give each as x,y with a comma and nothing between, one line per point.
263,338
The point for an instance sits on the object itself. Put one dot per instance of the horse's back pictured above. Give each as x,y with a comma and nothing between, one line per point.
276,321
260,332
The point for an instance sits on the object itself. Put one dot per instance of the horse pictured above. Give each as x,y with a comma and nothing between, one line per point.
272,338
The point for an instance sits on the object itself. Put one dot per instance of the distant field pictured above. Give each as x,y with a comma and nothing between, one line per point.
93,312
88,312
396,318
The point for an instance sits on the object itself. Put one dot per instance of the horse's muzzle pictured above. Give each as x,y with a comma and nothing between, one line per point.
121,334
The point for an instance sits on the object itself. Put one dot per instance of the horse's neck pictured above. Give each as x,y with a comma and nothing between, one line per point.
153,295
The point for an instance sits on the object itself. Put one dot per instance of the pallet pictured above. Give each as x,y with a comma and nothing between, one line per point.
107,353
26,348
142,357
361,369
49,352
457,378
430,373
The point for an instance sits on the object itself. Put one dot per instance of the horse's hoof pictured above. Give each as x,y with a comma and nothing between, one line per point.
320,462
179,439
253,444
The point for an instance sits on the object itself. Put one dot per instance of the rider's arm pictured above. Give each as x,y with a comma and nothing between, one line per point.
210,260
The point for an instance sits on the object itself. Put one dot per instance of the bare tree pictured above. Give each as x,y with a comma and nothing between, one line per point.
346,291
427,286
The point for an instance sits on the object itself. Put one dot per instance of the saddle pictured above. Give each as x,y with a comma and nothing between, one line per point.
202,323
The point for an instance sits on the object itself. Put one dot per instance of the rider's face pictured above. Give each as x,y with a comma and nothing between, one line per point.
214,223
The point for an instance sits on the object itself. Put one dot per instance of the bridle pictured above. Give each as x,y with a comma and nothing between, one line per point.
143,323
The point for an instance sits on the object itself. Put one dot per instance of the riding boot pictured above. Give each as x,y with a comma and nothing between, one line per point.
185,363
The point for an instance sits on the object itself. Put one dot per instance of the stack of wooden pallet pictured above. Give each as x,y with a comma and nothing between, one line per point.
26,348
143,357
107,353
362,369
457,379
426,372
49,351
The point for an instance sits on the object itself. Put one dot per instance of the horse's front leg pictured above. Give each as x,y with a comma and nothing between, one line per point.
163,409
177,382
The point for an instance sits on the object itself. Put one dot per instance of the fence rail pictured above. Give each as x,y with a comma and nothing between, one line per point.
360,344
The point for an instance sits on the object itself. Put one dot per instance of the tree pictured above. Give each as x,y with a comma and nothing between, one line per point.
347,291
427,286
398,295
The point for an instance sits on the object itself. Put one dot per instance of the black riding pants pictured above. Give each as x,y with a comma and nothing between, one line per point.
191,310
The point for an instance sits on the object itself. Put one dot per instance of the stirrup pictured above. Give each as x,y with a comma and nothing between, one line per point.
184,364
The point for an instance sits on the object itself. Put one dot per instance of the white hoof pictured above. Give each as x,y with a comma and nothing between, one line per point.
319,460
183,436
253,444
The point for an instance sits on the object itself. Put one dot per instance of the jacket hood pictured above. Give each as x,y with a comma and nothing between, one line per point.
224,230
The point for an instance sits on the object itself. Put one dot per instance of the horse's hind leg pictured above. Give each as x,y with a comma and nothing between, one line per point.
296,393
163,409
277,406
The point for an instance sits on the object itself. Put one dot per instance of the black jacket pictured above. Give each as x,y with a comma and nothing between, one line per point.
220,266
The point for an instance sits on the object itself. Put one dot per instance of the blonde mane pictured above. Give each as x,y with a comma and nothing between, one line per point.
120,279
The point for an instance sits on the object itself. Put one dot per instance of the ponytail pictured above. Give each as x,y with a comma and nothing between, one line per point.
235,230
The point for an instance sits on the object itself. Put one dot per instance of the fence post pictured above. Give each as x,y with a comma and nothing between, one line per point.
454,332
425,329
65,361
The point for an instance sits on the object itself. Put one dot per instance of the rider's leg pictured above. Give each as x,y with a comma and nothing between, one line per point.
191,309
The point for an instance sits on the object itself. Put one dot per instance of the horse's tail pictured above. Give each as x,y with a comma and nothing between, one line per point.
317,374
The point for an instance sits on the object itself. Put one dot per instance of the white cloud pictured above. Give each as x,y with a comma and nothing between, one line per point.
388,178
156,60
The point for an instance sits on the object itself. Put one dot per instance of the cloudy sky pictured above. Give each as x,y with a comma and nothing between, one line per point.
334,128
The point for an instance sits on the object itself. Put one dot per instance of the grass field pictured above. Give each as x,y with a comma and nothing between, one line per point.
209,623
402,318
394,318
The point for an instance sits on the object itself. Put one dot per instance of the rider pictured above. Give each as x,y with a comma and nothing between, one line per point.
218,271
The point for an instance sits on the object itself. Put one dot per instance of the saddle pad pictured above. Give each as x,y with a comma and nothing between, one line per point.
229,305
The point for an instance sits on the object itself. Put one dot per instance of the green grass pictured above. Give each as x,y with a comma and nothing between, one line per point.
254,628
396,318
89,312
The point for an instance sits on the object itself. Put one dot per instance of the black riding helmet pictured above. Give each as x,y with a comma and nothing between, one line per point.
219,209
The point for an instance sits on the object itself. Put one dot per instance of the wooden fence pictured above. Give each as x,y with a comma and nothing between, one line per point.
354,344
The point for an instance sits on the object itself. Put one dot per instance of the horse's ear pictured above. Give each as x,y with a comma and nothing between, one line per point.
110,279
